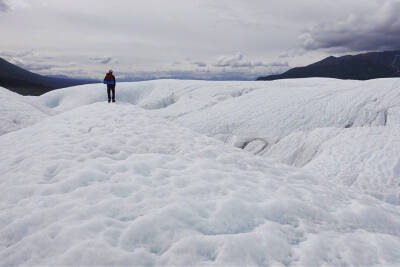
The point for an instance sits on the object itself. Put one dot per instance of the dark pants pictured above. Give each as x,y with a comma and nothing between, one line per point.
111,88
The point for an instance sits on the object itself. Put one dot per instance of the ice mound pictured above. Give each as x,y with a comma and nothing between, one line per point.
17,112
111,184
270,110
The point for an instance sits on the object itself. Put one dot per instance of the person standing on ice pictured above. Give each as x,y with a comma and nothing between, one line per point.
111,83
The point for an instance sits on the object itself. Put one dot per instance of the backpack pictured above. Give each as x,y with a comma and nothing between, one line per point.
109,77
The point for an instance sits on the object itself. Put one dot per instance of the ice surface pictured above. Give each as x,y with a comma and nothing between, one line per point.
366,159
17,112
251,109
138,182
295,117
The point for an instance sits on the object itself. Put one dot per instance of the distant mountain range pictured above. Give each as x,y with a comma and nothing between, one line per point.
25,82
357,67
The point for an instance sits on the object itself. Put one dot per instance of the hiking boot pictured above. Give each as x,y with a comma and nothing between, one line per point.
113,100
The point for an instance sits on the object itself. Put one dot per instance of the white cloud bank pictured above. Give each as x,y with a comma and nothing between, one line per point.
147,38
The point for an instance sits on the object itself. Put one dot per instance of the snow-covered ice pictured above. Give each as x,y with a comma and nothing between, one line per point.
17,112
158,178
295,117
363,158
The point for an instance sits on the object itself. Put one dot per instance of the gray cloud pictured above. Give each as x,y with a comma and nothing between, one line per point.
104,60
199,64
235,61
238,60
34,66
379,30
4,6
17,54
42,64
28,59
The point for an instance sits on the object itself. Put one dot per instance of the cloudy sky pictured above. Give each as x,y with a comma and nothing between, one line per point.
202,39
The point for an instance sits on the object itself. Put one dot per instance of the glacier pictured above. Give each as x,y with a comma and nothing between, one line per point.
162,177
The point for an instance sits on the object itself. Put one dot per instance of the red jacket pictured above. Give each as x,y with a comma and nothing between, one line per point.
110,78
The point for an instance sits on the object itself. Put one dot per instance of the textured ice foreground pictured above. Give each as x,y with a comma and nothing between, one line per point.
344,131
107,184
119,184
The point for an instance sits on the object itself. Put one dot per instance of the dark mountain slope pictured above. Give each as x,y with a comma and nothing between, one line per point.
358,67
25,82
